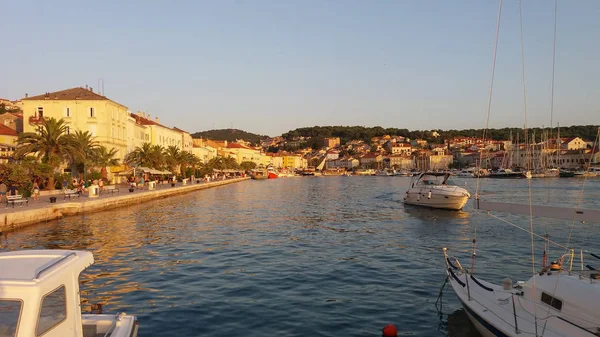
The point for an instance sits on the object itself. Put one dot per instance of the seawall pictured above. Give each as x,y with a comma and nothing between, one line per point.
28,215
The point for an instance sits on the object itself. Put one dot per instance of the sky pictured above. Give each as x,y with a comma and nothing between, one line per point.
270,66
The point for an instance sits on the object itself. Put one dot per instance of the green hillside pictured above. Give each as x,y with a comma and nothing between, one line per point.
230,135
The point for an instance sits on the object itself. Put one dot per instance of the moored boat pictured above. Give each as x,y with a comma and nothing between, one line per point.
40,296
432,189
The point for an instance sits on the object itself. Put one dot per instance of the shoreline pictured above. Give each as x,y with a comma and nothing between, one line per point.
43,211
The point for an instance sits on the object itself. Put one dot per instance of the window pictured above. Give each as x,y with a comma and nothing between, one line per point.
68,130
40,111
53,311
9,319
551,301
67,112
92,112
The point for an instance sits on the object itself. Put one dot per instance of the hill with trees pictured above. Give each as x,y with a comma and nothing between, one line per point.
230,135
347,133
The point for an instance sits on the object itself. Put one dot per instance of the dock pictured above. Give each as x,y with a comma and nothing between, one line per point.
42,210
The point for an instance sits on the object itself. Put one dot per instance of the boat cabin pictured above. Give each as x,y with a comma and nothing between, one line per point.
431,178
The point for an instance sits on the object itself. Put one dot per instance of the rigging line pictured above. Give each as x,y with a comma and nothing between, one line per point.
546,246
525,230
585,178
490,90
487,120
527,150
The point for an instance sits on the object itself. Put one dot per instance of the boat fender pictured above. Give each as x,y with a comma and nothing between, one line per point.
389,331
429,195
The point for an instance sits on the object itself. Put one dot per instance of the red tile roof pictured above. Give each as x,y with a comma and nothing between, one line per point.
6,131
68,94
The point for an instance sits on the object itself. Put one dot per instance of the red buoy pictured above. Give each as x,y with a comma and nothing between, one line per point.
390,331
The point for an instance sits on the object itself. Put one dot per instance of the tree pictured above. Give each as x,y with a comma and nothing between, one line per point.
103,157
52,144
173,158
187,160
88,146
247,165
146,155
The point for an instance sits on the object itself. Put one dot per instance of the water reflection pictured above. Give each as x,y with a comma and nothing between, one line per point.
297,257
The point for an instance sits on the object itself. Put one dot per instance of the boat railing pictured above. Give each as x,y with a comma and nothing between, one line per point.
54,263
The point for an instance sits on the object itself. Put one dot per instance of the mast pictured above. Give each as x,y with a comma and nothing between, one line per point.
558,146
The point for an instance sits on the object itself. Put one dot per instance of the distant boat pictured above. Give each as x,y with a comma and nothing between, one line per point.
259,174
432,189
508,174
333,172
271,172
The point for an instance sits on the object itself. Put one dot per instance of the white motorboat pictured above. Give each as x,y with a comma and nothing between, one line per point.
39,295
555,302
432,189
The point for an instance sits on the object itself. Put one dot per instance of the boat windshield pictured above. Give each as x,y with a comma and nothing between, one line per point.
433,180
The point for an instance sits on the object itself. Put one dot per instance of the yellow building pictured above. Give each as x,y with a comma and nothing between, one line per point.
8,141
187,143
205,153
243,153
137,133
294,162
83,110
158,133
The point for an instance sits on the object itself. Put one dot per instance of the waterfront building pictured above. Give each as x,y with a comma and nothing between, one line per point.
136,132
370,160
8,141
439,161
84,110
419,143
159,134
294,162
349,163
13,120
244,153
402,162
205,153
187,142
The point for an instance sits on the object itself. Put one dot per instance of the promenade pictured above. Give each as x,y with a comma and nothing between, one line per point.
42,210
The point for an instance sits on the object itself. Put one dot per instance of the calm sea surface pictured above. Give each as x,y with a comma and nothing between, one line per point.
320,256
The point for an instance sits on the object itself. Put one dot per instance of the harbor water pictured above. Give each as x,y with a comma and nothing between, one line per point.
318,256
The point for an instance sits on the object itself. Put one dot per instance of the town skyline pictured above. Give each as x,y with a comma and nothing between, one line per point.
270,67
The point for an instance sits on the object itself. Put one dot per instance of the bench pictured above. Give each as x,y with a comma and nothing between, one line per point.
70,194
110,189
16,199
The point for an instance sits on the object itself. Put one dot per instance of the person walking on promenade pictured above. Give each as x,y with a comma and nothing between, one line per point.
65,184
3,189
36,190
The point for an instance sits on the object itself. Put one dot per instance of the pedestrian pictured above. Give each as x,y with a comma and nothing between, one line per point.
65,184
36,190
3,189
12,190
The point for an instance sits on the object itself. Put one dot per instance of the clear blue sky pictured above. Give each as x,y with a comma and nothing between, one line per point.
272,66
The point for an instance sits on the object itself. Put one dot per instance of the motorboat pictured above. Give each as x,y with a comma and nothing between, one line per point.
333,172
258,174
557,301
271,172
39,296
468,173
386,173
509,174
432,189
365,172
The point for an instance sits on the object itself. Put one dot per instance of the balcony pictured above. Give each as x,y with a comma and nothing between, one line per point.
36,119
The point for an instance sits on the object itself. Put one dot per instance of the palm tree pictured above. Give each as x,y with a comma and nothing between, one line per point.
188,159
173,157
103,157
88,145
147,155
51,144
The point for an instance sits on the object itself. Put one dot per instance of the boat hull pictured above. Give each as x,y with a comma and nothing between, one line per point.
435,200
273,175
